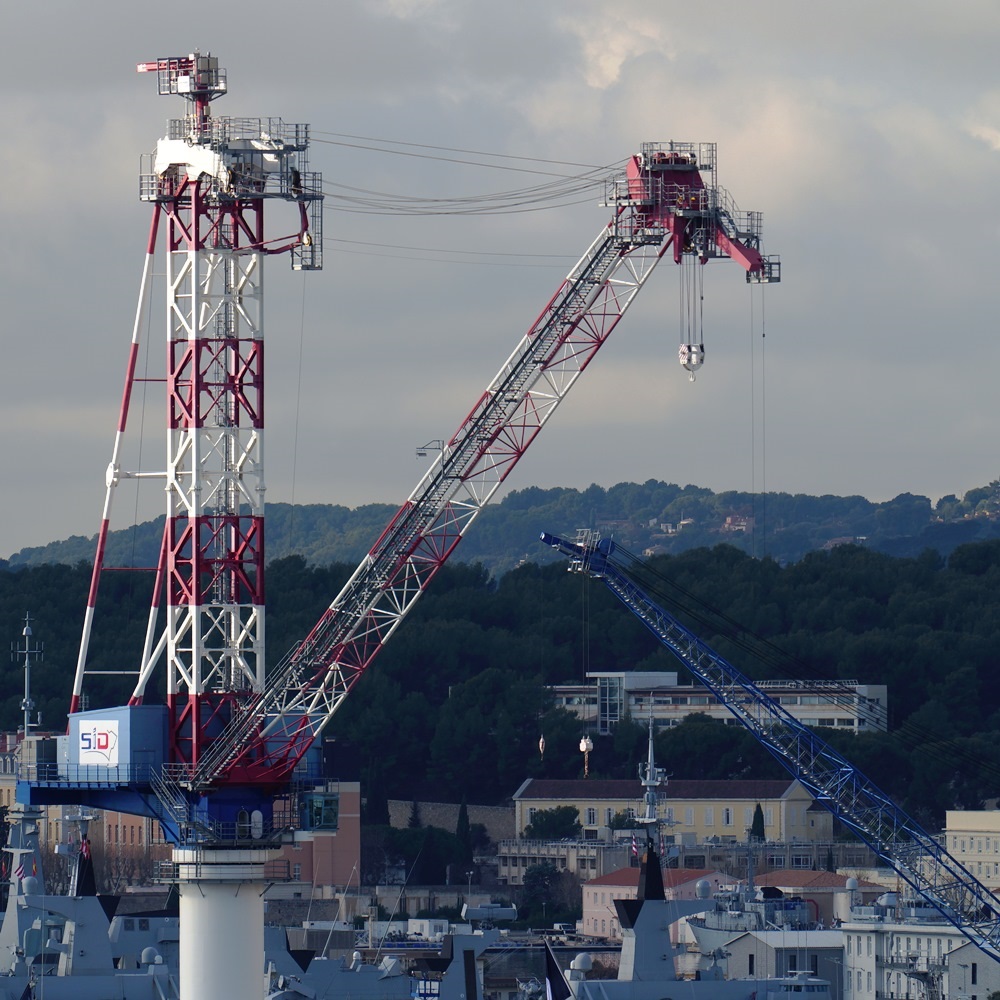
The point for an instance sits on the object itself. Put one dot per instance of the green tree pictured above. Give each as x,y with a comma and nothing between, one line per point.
538,889
757,831
622,821
560,823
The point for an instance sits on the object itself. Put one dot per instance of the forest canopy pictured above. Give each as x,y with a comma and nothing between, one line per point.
455,705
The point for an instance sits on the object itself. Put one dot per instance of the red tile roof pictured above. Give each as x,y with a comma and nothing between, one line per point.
672,877
804,879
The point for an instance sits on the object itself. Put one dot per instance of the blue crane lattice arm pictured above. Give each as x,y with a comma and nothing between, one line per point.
917,857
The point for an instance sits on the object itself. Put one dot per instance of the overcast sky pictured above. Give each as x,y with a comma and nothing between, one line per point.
868,135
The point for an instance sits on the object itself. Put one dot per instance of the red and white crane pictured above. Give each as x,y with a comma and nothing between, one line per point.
209,763
209,180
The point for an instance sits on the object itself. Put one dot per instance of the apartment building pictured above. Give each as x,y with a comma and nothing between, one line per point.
611,697
972,837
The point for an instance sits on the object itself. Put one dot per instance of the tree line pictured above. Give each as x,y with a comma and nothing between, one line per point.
657,516
455,705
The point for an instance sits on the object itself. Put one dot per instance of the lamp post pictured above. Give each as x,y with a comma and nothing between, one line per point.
586,745
469,875
965,973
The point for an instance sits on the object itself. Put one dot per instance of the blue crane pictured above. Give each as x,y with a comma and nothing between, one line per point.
918,858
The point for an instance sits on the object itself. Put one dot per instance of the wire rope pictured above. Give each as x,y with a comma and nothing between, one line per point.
753,428
298,412
564,188
446,149
763,420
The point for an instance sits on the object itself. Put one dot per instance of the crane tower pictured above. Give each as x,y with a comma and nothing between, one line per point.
210,181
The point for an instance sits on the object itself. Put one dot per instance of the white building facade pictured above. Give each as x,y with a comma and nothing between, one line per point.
911,953
611,697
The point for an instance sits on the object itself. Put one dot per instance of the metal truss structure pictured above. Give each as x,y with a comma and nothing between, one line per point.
918,858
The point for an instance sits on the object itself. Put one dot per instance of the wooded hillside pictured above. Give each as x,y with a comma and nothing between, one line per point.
456,703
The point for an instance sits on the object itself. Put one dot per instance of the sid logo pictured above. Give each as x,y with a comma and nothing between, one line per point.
98,742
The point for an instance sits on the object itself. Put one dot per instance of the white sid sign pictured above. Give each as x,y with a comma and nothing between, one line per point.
99,742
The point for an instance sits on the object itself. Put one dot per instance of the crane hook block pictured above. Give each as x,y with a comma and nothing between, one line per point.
691,356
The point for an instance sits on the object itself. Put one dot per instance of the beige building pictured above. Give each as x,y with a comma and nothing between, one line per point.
689,811
972,837
611,697
584,859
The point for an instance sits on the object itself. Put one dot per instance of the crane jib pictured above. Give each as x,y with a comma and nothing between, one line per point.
917,857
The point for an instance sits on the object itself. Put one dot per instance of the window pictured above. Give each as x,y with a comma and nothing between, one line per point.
689,816
973,974
591,816
727,816
768,817
709,816
297,872
793,963
868,940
